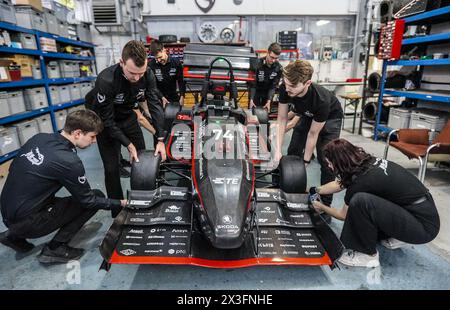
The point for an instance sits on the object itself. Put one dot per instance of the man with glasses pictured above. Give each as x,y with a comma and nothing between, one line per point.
268,74
168,72
118,90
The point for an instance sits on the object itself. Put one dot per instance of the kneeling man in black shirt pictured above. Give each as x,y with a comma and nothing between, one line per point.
45,164
383,202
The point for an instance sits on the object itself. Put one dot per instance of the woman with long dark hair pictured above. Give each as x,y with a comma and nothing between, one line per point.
383,202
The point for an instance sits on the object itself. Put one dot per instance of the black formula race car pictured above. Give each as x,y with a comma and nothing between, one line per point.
215,202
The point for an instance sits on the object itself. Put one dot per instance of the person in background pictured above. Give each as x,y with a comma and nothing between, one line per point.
268,74
169,74
383,202
45,164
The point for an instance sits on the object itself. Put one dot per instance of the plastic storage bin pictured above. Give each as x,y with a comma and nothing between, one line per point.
7,12
399,118
76,69
35,98
26,130
60,119
52,21
63,28
61,11
75,92
66,68
84,32
30,18
53,71
36,71
9,140
54,95
16,102
27,40
428,119
64,93
4,107
44,124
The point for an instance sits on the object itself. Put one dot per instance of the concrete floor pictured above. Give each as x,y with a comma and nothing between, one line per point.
412,267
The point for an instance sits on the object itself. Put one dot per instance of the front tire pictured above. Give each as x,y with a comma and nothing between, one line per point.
144,174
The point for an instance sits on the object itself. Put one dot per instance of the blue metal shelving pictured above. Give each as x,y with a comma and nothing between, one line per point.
22,116
431,38
51,109
23,51
22,83
8,156
431,17
424,62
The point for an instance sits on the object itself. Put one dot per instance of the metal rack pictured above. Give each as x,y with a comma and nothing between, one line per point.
45,81
431,17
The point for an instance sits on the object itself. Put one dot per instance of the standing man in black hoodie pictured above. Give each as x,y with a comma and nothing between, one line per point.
118,90
268,74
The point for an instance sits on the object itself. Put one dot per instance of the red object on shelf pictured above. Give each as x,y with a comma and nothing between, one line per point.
391,37
14,73
354,80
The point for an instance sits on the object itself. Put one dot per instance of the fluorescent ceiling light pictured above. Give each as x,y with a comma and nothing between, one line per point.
322,22
299,29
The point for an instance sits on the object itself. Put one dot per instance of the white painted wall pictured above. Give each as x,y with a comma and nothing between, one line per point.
252,7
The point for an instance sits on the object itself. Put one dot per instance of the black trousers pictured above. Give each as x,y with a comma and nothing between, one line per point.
371,218
65,214
260,99
330,131
110,153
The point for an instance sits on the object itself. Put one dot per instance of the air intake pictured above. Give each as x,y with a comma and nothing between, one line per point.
107,13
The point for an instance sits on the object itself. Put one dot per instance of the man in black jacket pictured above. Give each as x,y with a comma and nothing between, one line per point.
268,74
118,90
45,164
168,72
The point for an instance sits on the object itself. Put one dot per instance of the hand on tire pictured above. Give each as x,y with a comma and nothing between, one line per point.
133,153
161,149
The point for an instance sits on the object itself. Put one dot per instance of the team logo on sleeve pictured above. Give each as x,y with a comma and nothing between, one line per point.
100,98
35,158
82,179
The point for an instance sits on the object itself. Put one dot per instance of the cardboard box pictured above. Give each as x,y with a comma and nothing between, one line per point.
4,170
37,4
4,73
25,63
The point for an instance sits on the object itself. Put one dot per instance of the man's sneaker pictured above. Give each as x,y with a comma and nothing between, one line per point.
392,243
124,173
18,244
61,254
358,259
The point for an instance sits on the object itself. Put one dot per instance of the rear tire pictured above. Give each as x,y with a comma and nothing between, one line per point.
144,173
167,38
292,174
170,113
261,114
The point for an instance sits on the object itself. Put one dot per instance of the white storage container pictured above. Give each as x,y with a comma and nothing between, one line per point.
37,73
35,98
84,32
75,92
27,40
66,68
4,107
53,71
16,102
52,22
54,95
7,12
428,119
26,130
30,18
45,124
63,28
76,69
9,140
64,93
60,118
399,118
